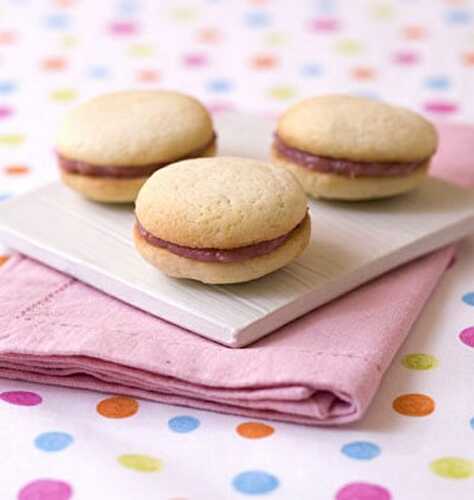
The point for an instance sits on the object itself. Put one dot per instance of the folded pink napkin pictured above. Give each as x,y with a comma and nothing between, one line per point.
321,369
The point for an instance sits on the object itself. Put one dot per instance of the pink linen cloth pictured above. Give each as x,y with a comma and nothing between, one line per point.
323,368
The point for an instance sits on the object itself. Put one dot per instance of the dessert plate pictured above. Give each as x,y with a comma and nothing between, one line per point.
351,244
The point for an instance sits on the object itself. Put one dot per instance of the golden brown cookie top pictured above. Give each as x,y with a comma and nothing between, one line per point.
222,202
357,129
135,128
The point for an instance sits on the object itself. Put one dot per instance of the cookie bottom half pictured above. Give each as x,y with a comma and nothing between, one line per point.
340,187
110,189
229,272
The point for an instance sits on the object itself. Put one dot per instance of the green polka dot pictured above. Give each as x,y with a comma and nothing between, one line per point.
453,467
282,92
142,463
419,361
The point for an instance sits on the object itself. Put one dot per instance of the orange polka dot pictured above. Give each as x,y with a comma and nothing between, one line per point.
16,169
209,35
7,37
3,259
363,73
148,76
468,58
64,3
414,32
254,430
117,407
53,64
263,61
414,405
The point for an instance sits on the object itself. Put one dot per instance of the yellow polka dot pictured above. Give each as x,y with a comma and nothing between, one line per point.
142,463
69,41
453,467
276,39
184,13
282,92
419,361
382,10
348,47
63,95
11,139
141,50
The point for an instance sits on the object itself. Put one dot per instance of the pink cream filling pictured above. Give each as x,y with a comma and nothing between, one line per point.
215,254
126,172
344,167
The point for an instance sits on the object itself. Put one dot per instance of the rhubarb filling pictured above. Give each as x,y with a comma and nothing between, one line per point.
214,254
344,167
123,172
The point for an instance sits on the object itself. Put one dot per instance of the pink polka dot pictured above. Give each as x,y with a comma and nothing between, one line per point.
440,107
406,58
45,489
5,112
122,28
467,336
195,60
363,491
21,398
324,25
220,107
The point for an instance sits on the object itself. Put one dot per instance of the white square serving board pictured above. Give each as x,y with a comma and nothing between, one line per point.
351,244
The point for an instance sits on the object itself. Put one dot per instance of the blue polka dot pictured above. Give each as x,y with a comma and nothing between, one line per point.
438,82
98,72
311,70
128,7
57,21
183,424
53,441
7,87
468,298
458,16
471,422
5,196
361,450
255,482
219,85
369,94
257,19
325,6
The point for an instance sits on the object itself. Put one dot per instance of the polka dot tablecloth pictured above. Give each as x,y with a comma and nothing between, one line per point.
417,440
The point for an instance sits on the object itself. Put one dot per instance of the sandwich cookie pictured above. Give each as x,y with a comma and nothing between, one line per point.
353,148
221,220
109,146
